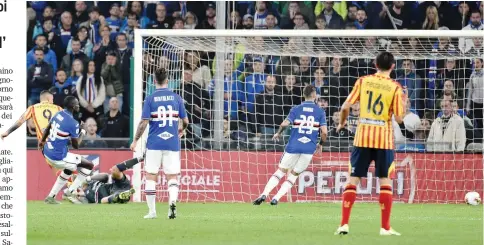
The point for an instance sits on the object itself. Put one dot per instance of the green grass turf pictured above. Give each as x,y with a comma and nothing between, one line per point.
227,223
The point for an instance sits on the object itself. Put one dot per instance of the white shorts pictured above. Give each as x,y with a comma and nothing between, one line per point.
295,162
69,162
170,160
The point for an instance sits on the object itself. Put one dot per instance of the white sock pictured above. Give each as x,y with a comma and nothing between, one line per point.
172,191
286,186
273,182
150,192
81,177
59,183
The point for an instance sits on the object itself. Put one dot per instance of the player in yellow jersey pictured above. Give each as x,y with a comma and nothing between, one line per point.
380,97
40,114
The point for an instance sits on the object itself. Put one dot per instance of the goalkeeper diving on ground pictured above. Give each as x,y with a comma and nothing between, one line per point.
308,120
99,188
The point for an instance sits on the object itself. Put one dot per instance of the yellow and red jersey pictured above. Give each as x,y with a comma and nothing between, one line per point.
380,97
41,113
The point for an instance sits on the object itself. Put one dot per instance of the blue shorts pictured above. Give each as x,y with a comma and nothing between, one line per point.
361,159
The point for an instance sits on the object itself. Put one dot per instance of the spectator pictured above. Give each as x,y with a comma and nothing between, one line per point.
111,74
411,122
114,20
210,21
431,21
81,14
76,72
93,25
269,108
85,41
201,73
235,20
447,132
91,93
54,41
123,12
446,13
299,22
75,53
451,72
287,21
412,83
191,20
62,88
92,139
260,15
49,55
178,23
304,70
448,93
116,125
475,92
248,22
342,74
123,54
475,24
136,7
162,21
344,133
361,20
477,48
333,19
103,47
464,15
128,30
39,76
232,90
254,84
67,30
400,17
354,117
320,22
291,93
198,105
352,12
271,22
443,46
326,87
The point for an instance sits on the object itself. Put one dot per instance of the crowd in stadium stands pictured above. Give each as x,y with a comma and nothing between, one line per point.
85,48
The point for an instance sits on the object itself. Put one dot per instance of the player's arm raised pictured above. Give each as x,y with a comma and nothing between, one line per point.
25,116
345,109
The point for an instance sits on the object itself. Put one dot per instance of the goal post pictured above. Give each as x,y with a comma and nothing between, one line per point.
221,164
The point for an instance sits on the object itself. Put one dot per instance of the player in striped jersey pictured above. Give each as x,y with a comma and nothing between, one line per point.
380,97
307,120
40,113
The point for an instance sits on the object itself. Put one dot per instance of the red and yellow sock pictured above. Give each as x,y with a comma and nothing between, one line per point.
386,199
349,197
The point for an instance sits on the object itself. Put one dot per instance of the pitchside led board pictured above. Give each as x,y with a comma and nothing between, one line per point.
227,154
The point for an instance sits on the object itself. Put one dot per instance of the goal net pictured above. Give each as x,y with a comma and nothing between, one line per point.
238,86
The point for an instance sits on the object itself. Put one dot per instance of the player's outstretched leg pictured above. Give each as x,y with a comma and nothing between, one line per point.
84,170
286,186
271,184
349,197
172,194
59,183
386,199
121,197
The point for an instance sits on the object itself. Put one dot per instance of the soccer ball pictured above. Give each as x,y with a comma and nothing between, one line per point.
473,198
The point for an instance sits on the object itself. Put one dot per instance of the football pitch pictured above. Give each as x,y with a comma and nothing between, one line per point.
235,223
